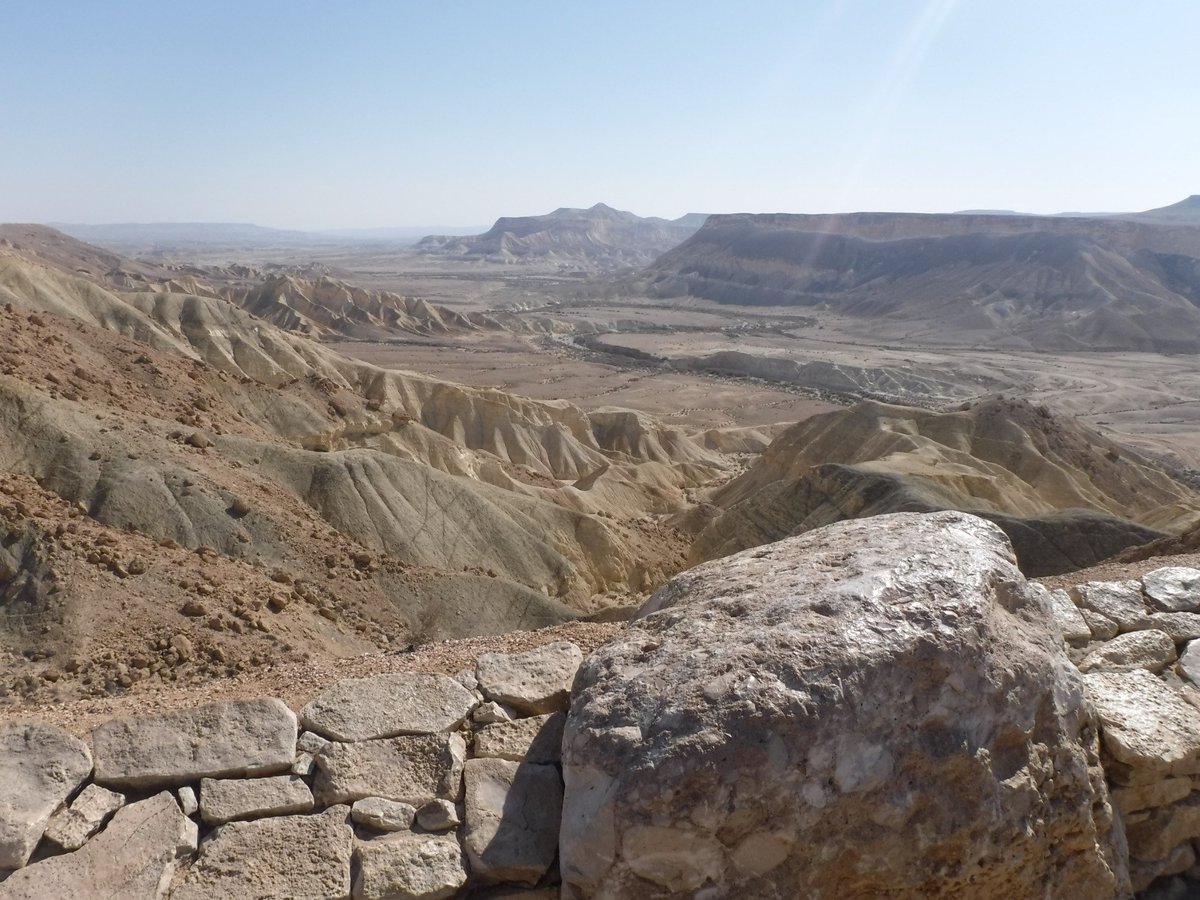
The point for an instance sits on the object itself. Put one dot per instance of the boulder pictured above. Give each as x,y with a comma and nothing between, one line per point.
490,712
383,815
1172,589
409,867
360,709
535,740
40,767
133,858
1182,858
411,769
438,815
233,739
71,827
1149,650
875,708
535,682
513,812
1148,729
227,799
1120,601
298,857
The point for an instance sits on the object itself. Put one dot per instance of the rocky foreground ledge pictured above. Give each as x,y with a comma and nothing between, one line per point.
884,707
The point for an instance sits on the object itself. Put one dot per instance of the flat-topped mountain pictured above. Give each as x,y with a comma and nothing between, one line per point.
999,280
599,237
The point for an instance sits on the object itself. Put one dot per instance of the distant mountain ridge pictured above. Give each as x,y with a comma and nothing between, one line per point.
599,237
1045,282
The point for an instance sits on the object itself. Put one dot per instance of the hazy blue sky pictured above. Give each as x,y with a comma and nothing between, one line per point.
340,114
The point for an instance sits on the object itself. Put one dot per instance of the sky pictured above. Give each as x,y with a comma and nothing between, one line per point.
298,114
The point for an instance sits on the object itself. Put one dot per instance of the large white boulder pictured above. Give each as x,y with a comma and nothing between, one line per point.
880,707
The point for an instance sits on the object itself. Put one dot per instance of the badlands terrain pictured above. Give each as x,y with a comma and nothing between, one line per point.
243,465
246,449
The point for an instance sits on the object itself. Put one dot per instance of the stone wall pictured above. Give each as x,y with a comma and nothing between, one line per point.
398,785
906,653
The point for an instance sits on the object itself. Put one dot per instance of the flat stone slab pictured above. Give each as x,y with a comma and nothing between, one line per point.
1120,601
409,867
1181,626
1165,829
1173,589
228,799
513,814
133,858
1156,793
71,827
40,766
411,769
536,740
383,815
362,709
234,739
1150,650
535,682
298,857
1145,724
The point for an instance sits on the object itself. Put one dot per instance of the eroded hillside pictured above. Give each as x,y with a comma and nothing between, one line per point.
190,490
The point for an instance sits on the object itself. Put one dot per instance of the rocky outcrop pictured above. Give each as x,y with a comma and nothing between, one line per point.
884,707
878,707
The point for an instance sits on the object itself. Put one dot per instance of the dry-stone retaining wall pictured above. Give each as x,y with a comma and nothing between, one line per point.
884,706
400,785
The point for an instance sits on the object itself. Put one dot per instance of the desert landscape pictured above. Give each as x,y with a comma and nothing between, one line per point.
771,471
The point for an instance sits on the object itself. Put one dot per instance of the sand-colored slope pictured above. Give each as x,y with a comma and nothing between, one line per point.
177,427
1006,459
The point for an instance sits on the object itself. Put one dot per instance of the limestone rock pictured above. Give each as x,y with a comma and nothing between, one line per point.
1181,626
361,709
875,708
133,858
71,827
1102,627
438,815
409,867
299,857
1182,858
1120,601
233,739
308,742
40,766
305,765
227,799
490,712
535,682
1189,662
1166,828
1149,650
1066,614
513,811
1150,731
1156,793
411,769
535,740
383,815
187,800
1173,589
